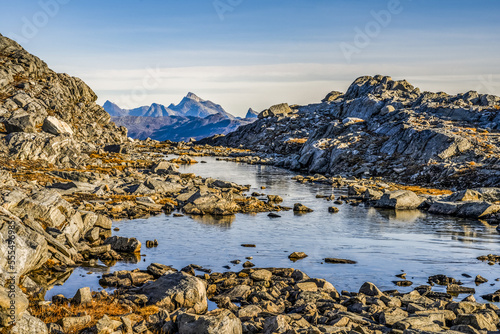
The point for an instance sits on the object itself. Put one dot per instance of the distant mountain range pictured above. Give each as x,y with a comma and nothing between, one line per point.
193,117
191,105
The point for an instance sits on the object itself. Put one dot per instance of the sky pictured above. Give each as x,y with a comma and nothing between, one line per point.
255,53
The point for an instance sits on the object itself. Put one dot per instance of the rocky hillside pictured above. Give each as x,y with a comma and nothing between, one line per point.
387,128
47,115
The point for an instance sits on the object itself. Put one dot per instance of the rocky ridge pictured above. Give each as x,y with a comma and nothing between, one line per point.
47,115
383,128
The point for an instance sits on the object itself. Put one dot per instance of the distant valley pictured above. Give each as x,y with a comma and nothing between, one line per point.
193,117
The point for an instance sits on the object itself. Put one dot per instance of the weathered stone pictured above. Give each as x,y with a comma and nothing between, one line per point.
83,296
400,200
261,275
176,290
482,320
370,289
213,322
56,127
107,325
68,323
124,245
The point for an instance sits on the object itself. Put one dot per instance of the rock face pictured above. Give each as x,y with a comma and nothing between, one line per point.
37,101
177,290
382,127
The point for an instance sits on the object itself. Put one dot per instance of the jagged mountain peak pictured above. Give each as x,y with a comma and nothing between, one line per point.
193,96
251,113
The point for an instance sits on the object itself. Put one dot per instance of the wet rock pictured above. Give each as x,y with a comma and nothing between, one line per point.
216,321
333,209
248,264
479,279
176,290
492,297
123,245
300,208
297,256
273,215
274,198
403,283
441,280
400,200
335,260
248,245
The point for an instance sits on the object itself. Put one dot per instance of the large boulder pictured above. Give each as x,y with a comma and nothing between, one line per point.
123,245
400,200
56,127
214,322
177,290
277,110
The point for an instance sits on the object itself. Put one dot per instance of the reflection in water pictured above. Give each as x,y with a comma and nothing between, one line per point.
219,221
383,242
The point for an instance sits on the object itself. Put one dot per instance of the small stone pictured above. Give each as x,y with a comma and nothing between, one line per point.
298,207
335,260
333,209
248,245
480,280
403,283
297,256
248,264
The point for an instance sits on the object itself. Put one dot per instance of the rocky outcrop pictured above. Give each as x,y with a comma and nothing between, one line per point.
48,114
387,128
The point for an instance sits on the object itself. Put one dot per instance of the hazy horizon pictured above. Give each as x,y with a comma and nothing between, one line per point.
252,54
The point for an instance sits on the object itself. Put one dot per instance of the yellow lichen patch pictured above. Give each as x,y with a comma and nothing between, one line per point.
425,191
164,201
146,311
296,141
96,311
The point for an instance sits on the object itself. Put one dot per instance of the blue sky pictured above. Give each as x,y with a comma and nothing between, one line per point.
254,53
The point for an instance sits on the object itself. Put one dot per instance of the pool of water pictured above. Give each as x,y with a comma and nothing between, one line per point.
383,242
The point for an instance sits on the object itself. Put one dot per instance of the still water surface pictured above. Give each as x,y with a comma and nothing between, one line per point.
383,242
